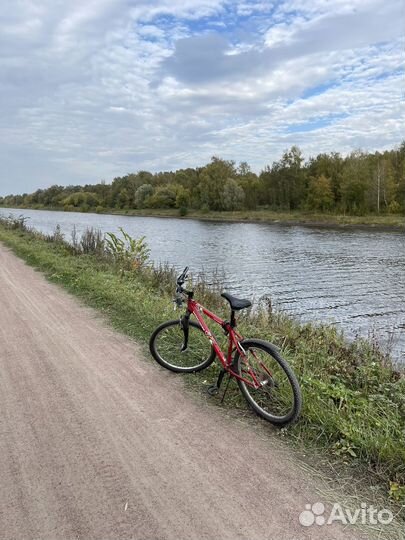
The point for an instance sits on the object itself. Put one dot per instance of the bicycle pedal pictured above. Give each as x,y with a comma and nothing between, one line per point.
213,390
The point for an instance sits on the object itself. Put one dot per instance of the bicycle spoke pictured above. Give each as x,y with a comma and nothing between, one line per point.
267,383
168,344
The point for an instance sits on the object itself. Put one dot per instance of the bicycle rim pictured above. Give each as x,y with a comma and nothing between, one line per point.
271,387
166,347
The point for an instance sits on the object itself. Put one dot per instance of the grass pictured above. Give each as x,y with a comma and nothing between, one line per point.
272,216
263,215
354,398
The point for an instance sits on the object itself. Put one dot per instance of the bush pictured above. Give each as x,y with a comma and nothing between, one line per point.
394,208
128,253
164,197
57,237
12,222
92,241
142,195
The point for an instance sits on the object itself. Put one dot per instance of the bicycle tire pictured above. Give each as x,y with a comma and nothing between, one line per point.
200,348
292,415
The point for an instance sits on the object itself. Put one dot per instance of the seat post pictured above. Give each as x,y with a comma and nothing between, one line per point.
233,320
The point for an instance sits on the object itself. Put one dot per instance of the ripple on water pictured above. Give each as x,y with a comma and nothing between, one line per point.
353,278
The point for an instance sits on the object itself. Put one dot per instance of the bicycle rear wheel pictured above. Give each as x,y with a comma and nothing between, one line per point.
272,389
166,344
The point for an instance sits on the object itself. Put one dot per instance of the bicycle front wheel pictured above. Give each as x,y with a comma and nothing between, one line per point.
166,345
269,386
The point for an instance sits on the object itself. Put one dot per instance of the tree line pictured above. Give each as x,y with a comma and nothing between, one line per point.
357,184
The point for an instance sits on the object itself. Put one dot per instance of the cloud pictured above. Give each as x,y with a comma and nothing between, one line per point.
98,89
205,58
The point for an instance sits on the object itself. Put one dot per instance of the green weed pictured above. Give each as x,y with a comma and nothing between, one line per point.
354,398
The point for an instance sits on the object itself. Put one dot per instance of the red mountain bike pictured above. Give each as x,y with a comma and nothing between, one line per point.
265,379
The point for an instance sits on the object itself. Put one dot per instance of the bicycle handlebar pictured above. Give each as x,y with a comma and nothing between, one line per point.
180,282
182,277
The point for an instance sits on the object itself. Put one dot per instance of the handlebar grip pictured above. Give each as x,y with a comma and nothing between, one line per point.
183,275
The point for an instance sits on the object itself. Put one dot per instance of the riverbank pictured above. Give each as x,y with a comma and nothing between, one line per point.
390,221
129,446
354,406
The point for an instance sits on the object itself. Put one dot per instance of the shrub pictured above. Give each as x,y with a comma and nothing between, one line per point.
92,241
394,208
128,253
12,222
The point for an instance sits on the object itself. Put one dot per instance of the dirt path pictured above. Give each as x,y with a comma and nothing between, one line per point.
96,442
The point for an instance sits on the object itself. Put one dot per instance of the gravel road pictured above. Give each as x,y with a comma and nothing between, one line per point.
98,442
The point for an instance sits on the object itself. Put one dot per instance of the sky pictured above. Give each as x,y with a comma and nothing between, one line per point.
93,89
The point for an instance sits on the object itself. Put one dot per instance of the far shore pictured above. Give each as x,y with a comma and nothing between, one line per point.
390,221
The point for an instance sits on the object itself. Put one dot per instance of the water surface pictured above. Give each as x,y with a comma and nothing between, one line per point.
354,278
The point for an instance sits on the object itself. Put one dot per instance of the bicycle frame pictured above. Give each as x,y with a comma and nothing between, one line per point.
234,339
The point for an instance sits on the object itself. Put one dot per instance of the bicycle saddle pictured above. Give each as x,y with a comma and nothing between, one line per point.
236,303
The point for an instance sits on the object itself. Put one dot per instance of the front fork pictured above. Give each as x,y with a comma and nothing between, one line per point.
185,324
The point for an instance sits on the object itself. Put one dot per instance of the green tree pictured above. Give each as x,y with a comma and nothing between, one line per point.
320,194
123,198
102,190
81,200
142,195
250,184
212,180
233,195
293,176
284,183
182,197
330,166
188,178
383,191
164,197
355,182
361,182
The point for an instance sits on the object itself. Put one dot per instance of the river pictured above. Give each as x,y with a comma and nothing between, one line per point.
351,277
